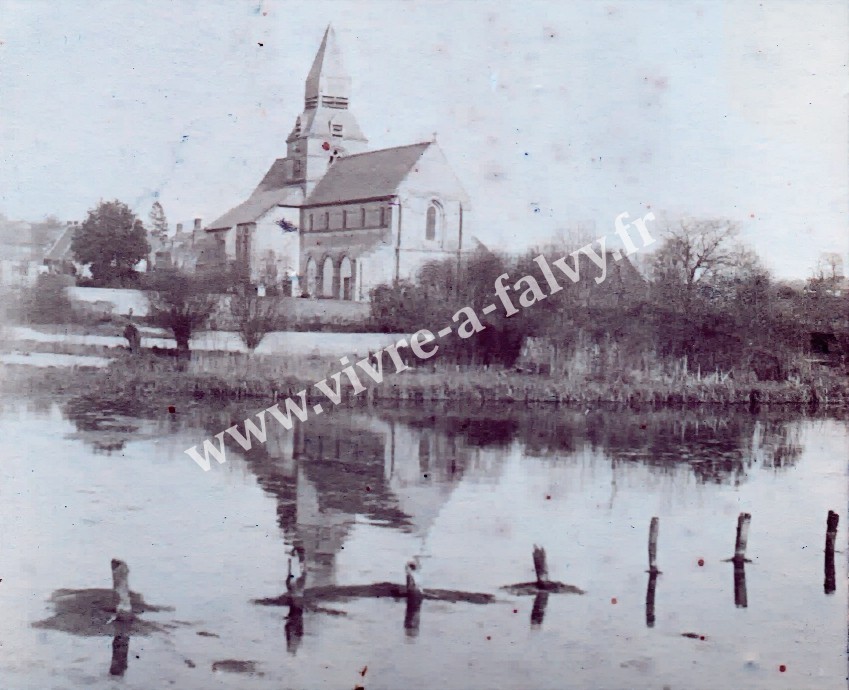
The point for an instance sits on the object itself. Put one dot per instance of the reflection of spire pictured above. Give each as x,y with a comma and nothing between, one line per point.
425,470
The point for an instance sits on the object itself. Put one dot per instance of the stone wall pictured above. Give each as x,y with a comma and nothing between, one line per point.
118,302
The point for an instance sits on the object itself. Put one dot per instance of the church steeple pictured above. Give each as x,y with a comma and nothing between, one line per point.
326,130
328,84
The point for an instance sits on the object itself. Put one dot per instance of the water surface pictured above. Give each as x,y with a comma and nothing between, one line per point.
468,491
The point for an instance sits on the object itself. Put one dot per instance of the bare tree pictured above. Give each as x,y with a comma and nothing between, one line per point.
255,316
694,252
182,303
829,268
567,239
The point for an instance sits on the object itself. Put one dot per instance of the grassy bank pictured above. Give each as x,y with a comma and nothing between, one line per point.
233,376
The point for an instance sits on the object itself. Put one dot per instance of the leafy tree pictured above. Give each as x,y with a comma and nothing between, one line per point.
182,303
112,241
158,222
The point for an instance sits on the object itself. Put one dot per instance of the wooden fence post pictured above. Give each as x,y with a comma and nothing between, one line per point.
742,537
653,529
415,594
414,586
540,565
121,588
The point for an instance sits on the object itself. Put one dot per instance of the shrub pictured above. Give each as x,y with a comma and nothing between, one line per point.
47,302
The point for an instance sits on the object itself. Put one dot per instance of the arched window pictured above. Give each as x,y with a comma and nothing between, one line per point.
433,228
312,271
346,279
327,278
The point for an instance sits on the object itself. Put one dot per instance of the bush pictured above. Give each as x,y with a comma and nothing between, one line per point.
47,301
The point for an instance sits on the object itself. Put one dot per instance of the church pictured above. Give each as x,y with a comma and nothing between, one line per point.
333,219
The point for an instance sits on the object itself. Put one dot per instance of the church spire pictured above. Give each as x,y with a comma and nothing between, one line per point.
328,84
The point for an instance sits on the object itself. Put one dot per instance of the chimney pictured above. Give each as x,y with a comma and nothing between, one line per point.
197,224
179,228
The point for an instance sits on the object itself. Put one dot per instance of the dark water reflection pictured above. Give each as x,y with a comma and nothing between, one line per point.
469,490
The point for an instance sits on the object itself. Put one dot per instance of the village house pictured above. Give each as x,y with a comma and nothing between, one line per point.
59,258
26,247
332,219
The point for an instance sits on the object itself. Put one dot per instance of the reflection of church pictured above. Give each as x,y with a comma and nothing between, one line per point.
327,473
334,218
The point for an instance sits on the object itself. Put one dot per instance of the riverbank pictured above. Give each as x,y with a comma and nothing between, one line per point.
235,376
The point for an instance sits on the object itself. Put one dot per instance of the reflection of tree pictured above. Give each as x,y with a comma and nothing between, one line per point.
713,447
717,445
104,421
777,443
486,428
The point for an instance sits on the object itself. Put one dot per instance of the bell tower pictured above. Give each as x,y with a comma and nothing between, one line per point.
326,129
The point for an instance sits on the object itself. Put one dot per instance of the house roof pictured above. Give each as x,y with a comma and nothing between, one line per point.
269,193
60,250
367,175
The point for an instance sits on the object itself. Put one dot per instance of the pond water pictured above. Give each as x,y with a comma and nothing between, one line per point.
468,492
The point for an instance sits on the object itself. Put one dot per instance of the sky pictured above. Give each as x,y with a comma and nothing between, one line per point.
553,114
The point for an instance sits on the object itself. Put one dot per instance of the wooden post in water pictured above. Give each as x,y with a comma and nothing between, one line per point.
653,529
414,585
740,599
415,594
538,610
294,627
742,537
120,648
296,577
650,592
830,584
121,588
540,565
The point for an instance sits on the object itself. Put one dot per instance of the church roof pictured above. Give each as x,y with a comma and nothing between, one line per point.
269,193
369,175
